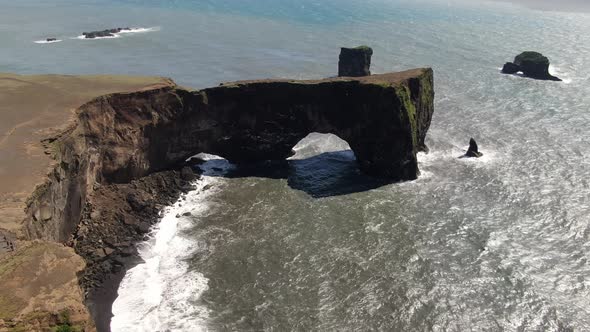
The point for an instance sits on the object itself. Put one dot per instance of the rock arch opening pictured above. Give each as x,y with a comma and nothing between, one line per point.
322,165
317,143
325,165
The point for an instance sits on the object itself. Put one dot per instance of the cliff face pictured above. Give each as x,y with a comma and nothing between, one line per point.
120,137
124,136
40,279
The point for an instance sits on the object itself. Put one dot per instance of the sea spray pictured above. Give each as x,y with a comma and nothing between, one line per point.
162,293
47,41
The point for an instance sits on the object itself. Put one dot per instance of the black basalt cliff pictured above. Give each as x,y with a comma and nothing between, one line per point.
125,136
384,118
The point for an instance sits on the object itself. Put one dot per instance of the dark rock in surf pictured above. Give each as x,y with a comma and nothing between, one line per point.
187,174
473,151
510,68
104,33
143,228
355,62
532,65
51,39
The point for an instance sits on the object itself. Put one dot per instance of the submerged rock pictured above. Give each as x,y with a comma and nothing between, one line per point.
473,151
355,62
531,64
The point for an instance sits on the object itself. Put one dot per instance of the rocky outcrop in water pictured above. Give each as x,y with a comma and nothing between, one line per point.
531,64
473,151
355,62
104,33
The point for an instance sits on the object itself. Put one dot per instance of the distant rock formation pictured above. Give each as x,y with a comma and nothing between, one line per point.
51,39
104,33
473,151
531,64
355,62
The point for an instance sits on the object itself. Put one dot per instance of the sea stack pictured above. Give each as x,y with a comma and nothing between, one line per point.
355,62
473,151
531,64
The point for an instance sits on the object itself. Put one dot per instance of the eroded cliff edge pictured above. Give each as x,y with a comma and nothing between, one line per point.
38,278
98,189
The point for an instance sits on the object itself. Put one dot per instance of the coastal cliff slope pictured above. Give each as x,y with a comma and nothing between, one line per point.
87,191
40,286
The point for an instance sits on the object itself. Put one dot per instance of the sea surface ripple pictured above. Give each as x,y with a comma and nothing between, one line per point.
495,244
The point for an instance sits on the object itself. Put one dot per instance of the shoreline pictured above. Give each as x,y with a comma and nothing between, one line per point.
101,300
140,204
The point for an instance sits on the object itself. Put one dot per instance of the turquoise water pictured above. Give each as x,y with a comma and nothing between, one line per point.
202,43
495,244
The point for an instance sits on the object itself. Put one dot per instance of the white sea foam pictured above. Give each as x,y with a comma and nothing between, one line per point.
140,30
553,70
82,37
47,41
161,294
316,143
557,71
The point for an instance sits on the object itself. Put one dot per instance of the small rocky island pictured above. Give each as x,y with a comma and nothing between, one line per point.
473,151
104,33
531,64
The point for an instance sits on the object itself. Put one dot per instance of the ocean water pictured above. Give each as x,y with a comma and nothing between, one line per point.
499,243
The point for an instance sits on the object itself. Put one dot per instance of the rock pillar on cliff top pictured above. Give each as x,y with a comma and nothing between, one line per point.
355,62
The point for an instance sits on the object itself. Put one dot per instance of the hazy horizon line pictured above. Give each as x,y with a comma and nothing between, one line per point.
550,5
